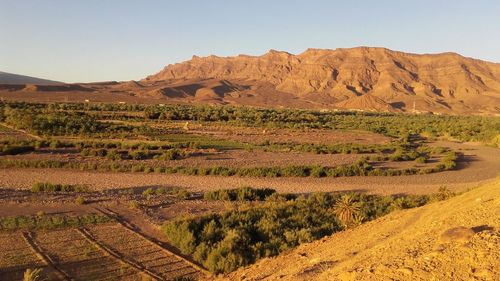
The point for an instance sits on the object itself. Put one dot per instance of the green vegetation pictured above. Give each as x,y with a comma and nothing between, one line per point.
15,149
158,191
360,168
56,123
78,119
226,241
47,222
80,200
347,211
346,148
154,143
239,194
51,187
449,161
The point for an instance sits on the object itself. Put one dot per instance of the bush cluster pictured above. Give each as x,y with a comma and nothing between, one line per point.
226,241
345,148
52,187
158,191
16,149
239,194
116,154
57,123
68,118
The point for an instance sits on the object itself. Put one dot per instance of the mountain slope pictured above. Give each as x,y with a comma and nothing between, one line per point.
363,78
444,82
456,239
16,79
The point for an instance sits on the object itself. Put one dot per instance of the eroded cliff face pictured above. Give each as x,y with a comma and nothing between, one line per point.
441,81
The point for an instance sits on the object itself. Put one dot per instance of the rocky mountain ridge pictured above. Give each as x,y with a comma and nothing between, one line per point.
440,82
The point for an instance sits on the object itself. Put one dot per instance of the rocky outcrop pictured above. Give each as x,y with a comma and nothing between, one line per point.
439,82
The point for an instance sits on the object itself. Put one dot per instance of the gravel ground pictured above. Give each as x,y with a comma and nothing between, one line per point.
480,164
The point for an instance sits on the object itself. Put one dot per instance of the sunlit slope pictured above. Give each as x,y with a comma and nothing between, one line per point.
456,239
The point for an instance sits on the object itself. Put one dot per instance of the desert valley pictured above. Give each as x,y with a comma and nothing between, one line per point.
363,78
215,163
358,163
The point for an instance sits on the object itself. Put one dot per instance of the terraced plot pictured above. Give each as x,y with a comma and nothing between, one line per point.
153,258
16,256
80,259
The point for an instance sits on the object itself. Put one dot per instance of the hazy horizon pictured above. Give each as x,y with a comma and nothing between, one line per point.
123,40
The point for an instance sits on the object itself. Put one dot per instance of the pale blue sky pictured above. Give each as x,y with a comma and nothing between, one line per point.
97,40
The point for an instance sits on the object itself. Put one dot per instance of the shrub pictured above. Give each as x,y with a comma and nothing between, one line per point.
421,159
16,149
80,200
240,194
138,168
182,194
148,192
449,161
223,242
171,154
138,155
51,187
134,205
114,155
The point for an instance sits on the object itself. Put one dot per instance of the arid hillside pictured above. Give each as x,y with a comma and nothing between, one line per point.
357,78
363,78
456,239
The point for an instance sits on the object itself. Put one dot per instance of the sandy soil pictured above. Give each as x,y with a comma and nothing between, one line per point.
480,164
227,158
259,135
456,239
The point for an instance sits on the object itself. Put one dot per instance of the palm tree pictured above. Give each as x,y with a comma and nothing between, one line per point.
347,210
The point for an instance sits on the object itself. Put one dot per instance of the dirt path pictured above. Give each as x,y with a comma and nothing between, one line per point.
79,259
98,244
20,132
406,245
480,164
28,238
140,226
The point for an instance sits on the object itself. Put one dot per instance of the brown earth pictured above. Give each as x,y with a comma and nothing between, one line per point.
97,252
225,158
456,239
363,78
277,135
479,164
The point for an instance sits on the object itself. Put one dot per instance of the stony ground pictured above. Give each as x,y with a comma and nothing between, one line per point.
456,239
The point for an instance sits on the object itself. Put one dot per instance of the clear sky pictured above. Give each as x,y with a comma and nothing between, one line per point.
97,40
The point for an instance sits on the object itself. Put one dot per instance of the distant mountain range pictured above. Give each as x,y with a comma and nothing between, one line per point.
16,79
362,78
357,78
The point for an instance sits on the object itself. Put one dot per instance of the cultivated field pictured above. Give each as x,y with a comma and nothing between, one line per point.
136,192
